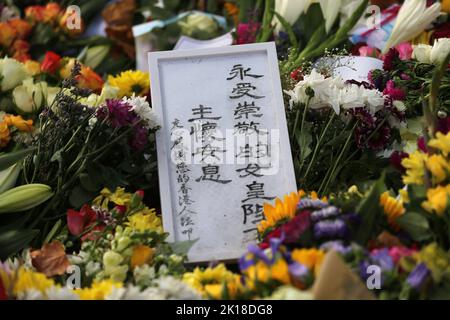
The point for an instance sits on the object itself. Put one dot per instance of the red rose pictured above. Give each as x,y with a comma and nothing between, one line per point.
51,62
78,221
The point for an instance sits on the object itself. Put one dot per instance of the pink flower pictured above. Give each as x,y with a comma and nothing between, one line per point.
405,50
393,92
367,51
397,253
246,32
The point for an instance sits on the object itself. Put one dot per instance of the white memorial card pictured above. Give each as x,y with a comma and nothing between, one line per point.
223,149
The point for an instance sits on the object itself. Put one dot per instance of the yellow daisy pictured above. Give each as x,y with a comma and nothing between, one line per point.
131,82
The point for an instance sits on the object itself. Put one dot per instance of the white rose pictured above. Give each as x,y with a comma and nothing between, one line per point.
30,97
440,51
422,53
12,73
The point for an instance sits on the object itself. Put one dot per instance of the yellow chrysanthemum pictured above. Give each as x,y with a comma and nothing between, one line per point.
234,287
404,195
98,290
4,134
131,82
441,142
310,258
27,279
415,168
259,272
200,279
118,197
437,199
392,207
145,220
439,167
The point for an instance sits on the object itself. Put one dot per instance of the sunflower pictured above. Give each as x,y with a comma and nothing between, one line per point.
131,82
205,281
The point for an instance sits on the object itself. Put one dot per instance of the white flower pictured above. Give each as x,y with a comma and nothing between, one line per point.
291,10
30,97
412,19
12,73
440,51
142,108
422,53
198,22
330,10
335,93
64,293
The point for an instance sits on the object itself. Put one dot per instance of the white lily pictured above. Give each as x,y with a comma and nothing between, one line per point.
330,10
440,51
291,10
412,19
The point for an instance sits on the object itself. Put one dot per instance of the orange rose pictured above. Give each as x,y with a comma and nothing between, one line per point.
51,12
35,13
89,79
18,122
4,134
7,34
22,28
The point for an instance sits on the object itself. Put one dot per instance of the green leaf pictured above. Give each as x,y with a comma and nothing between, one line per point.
53,231
416,225
369,209
182,247
12,241
10,158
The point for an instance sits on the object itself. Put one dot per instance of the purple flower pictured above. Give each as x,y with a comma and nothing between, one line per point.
118,113
298,271
309,203
140,138
337,246
383,259
325,213
330,229
418,276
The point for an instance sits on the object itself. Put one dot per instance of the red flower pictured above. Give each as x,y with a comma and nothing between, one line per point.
391,59
393,92
51,62
396,160
443,31
3,295
78,221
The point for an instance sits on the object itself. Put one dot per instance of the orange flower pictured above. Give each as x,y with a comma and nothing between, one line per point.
33,67
445,6
232,11
35,13
141,255
21,46
89,79
22,28
4,134
51,12
7,34
18,122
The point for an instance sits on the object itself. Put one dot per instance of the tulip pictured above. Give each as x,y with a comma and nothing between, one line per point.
12,73
440,51
412,19
30,97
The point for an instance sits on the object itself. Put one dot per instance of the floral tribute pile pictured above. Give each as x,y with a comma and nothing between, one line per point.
79,199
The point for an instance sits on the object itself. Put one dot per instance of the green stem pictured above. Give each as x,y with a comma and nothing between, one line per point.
316,149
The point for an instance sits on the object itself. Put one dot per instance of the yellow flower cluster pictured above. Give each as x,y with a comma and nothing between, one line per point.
283,209
98,290
131,82
118,197
22,280
210,281
436,166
